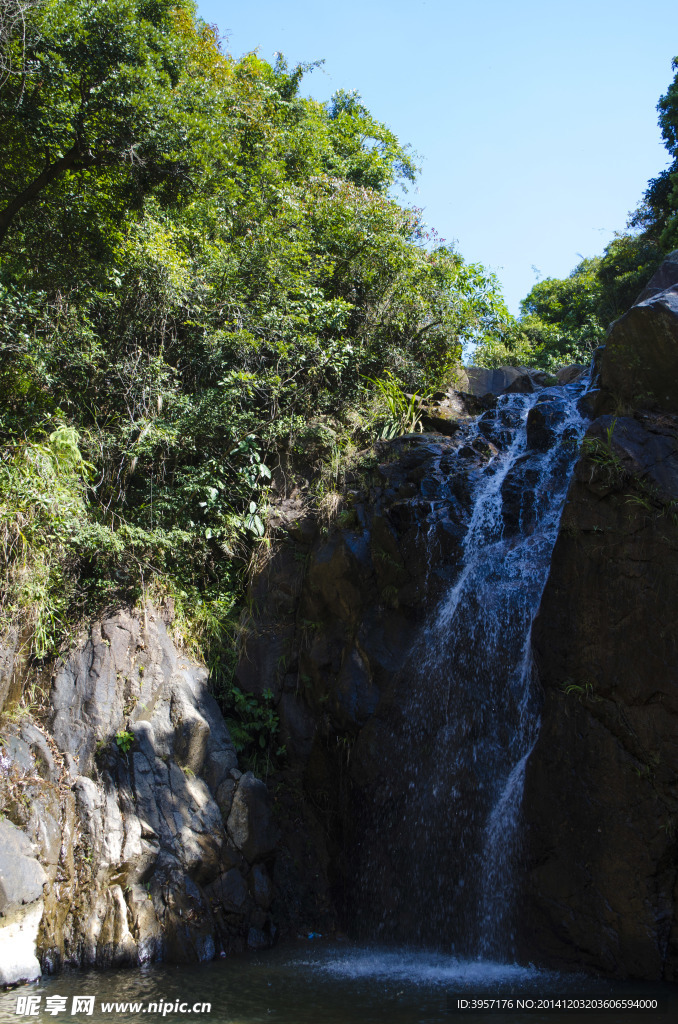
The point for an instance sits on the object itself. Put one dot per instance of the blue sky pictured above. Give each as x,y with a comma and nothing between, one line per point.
534,122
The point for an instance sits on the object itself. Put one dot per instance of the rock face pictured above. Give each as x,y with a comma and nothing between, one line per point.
335,612
21,906
639,364
10,661
131,835
665,277
601,802
145,830
335,615
504,380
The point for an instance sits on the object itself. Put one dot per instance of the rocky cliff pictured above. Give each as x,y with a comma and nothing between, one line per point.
333,632
601,799
333,616
129,834
337,611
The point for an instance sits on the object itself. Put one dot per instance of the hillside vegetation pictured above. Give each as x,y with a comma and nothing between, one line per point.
205,276
201,273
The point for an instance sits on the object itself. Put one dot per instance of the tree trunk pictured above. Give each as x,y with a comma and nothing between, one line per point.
73,159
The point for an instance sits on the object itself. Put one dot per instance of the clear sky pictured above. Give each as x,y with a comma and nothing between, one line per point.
534,122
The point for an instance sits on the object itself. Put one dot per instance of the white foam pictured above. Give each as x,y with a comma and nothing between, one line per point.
422,968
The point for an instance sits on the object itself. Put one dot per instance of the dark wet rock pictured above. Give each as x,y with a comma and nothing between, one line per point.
363,592
276,591
518,496
539,434
261,886
600,803
475,405
230,890
596,402
645,448
258,939
497,426
250,823
639,365
543,419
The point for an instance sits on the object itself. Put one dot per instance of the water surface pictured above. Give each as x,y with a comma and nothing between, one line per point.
318,983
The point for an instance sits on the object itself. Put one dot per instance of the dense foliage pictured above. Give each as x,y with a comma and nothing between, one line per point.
562,321
202,274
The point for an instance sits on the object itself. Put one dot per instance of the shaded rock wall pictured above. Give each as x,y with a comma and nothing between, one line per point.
637,369
331,631
601,796
335,613
332,618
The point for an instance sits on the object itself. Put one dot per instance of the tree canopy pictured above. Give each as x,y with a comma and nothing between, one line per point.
201,271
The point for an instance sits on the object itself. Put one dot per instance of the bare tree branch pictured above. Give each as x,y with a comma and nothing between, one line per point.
13,25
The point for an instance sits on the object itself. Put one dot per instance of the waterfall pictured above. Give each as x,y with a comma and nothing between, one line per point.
438,857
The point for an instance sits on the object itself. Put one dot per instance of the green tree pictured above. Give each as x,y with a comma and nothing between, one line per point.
100,100
561,321
663,191
199,267
657,214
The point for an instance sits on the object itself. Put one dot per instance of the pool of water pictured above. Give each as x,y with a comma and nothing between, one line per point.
317,983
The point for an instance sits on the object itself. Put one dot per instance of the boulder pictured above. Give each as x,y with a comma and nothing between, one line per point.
568,374
504,380
250,823
22,878
231,891
21,875
639,364
665,277
443,412
644,448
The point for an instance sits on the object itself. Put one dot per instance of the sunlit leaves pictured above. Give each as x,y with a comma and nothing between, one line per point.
210,278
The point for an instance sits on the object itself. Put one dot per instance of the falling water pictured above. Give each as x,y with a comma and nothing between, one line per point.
438,857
